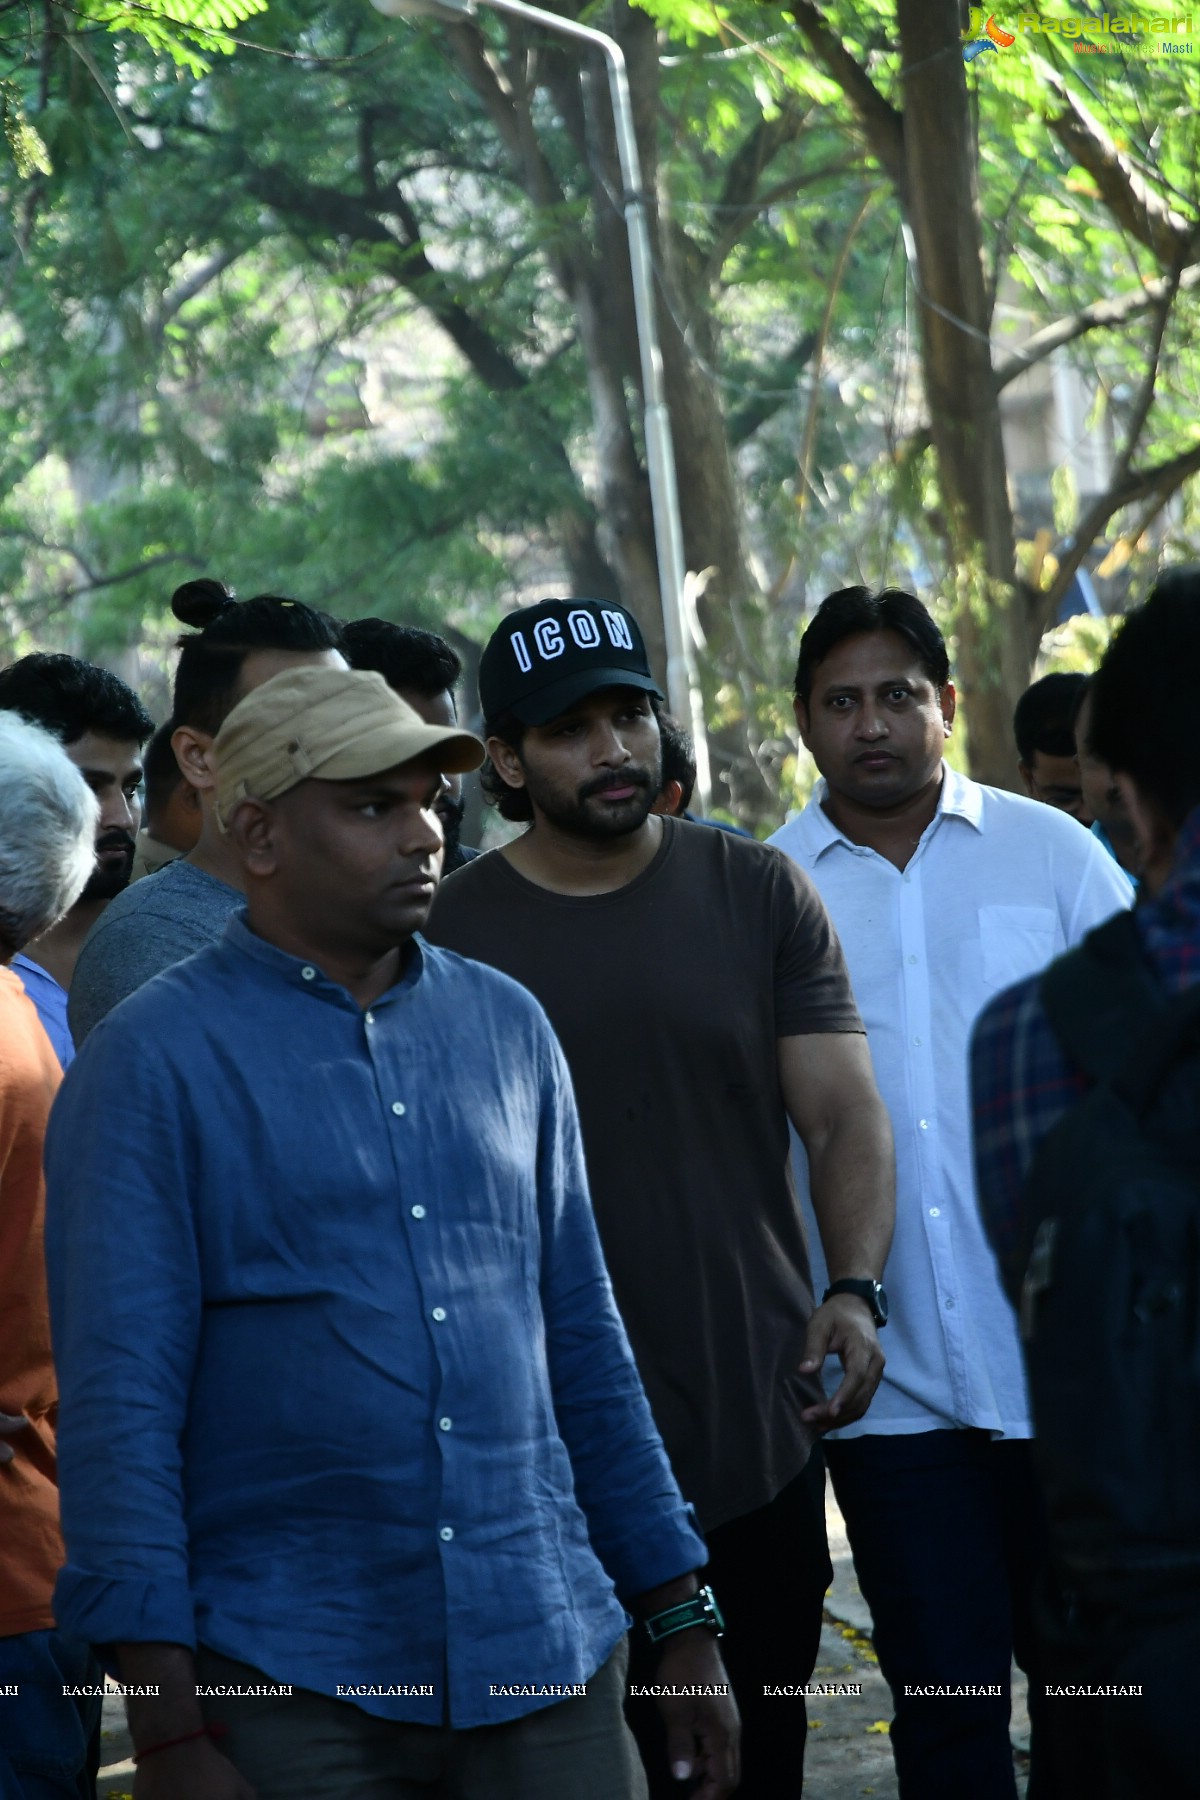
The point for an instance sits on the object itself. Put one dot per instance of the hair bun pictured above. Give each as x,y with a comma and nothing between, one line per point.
199,602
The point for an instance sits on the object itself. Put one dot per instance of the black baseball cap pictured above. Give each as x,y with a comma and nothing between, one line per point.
546,657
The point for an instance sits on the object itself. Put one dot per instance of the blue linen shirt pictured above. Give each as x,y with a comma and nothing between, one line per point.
344,1393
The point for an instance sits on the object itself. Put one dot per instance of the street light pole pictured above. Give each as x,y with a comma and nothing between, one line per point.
683,687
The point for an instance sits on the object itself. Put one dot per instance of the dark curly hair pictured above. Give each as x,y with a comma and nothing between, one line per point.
69,698
511,803
1143,704
404,655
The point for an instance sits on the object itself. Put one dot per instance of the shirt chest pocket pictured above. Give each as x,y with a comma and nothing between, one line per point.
1016,941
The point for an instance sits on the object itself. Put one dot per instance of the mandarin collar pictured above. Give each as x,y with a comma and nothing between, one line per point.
308,977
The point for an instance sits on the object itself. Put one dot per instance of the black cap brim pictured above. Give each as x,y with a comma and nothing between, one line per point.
549,702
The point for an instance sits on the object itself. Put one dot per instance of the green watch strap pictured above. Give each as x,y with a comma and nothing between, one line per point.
701,1609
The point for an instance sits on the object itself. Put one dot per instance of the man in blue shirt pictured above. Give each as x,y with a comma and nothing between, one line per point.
319,1239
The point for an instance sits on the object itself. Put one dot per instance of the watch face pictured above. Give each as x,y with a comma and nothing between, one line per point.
869,1292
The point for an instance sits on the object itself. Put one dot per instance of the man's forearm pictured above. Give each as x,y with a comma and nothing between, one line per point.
852,1180
671,1593
174,1711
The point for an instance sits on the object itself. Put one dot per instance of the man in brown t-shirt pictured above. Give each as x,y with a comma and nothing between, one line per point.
699,992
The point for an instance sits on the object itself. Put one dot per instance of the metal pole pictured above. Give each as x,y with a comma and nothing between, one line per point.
683,687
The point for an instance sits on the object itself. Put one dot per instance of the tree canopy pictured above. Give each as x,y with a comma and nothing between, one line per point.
348,314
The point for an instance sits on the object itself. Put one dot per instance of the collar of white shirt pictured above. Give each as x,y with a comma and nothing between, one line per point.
813,832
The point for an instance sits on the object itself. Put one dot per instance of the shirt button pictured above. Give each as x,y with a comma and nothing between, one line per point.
439,1313
912,959
370,1018
399,1108
445,1424
418,1212
446,1533
917,1042
924,1124
309,973
950,1303
935,1212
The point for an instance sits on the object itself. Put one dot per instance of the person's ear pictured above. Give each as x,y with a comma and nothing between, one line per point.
670,795
193,753
251,831
800,710
1153,831
949,704
506,762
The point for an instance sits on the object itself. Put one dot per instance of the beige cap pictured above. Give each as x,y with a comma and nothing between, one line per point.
328,725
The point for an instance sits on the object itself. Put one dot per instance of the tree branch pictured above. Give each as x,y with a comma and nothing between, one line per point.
195,283
1101,315
1104,505
754,411
1130,200
1156,482
745,215
882,122
95,582
347,215
755,152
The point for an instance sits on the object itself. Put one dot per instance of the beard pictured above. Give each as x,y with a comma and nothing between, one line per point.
111,877
586,814
450,812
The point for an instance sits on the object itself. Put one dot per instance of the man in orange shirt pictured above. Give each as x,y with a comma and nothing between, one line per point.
48,818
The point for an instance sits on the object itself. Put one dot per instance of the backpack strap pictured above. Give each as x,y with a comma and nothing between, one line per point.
1102,997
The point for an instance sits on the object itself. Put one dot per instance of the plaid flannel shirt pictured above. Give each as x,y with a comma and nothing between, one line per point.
1021,1081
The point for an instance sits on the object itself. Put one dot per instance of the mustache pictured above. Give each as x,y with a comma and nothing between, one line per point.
116,840
604,783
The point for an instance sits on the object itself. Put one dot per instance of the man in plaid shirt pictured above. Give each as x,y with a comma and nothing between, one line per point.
1143,724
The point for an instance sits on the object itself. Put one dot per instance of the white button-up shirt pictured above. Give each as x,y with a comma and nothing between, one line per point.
996,888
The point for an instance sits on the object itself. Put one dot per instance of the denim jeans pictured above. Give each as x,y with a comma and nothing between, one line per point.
948,1537
44,1733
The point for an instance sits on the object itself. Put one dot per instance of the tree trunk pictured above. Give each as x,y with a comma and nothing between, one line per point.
992,614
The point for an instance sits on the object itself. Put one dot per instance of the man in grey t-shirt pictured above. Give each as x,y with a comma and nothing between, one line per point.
150,927
186,906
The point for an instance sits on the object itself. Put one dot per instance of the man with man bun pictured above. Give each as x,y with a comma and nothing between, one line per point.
237,646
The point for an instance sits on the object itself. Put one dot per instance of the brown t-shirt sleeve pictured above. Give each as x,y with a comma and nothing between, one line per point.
812,983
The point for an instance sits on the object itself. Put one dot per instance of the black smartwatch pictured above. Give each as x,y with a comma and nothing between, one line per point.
870,1291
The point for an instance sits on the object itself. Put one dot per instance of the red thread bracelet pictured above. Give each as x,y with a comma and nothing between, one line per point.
189,1737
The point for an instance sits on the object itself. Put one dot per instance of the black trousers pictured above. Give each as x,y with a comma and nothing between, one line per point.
770,1572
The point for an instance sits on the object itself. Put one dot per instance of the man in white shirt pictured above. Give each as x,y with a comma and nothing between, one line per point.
942,893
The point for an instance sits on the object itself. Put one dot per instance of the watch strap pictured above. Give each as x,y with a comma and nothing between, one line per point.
701,1609
869,1291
